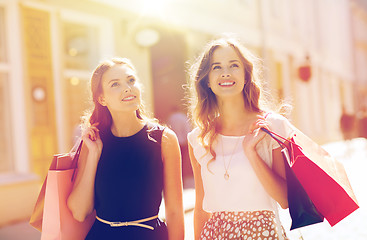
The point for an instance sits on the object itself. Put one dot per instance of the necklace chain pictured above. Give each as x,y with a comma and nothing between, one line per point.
226,174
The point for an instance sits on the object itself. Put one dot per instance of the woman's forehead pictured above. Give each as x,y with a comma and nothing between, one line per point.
224,54
118,71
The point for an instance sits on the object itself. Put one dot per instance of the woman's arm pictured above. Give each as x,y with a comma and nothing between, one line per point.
81,198
200,216
279,168
273,181
272,178
173,185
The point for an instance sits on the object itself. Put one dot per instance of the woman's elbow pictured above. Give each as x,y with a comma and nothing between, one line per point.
79,217
175,215
284,204
78,213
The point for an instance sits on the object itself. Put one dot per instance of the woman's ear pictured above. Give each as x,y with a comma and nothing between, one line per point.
101,100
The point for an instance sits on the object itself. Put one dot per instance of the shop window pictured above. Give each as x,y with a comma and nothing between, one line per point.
77,103
80,46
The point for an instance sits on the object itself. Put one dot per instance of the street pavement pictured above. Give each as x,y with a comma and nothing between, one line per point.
353,155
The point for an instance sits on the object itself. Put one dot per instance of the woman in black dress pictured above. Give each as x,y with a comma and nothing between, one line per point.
127,161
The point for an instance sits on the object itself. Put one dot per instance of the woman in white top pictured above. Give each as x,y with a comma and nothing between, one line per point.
239,171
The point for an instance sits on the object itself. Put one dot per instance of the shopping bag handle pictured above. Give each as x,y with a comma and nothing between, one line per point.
273,135
282,145
76,145
74,163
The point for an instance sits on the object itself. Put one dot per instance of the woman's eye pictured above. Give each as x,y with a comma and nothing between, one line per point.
115,84
216,67
131,80
234,65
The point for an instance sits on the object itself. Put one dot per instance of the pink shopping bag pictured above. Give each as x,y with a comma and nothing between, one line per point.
51,214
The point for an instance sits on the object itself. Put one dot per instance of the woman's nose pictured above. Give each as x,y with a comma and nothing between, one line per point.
226,75
127,89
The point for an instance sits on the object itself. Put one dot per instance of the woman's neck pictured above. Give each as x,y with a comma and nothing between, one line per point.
125,124
234,118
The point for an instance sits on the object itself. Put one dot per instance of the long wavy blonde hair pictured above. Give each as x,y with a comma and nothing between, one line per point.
203,102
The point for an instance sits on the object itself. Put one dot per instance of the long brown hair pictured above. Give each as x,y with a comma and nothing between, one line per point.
100,114
203,103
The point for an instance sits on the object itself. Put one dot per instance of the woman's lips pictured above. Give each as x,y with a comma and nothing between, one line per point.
227,83
128,98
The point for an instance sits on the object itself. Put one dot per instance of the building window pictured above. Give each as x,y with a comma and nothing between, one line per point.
80,46
77,89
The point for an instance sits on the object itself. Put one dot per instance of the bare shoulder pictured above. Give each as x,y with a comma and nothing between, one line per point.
169,137
170,149
275,117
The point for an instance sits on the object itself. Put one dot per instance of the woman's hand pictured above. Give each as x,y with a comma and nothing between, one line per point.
255,135
92,139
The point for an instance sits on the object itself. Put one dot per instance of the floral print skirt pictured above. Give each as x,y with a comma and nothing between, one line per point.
251,225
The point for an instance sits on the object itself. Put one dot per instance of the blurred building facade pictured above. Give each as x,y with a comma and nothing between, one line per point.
312,55
359,25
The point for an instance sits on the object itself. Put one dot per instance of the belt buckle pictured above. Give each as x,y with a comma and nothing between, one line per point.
119,224
114,224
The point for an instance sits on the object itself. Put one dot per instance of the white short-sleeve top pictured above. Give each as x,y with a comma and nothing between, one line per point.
243,190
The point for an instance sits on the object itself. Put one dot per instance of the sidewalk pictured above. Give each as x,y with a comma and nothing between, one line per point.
19,231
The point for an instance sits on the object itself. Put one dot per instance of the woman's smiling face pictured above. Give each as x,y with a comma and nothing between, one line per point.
121,91
227,73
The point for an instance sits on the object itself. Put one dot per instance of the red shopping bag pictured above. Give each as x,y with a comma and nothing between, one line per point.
51,214
323,178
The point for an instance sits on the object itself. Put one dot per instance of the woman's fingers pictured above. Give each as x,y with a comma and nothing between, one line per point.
91,133
97,134
259,123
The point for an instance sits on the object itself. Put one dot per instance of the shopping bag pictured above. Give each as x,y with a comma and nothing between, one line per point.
301,209
323,178
51,214
37,214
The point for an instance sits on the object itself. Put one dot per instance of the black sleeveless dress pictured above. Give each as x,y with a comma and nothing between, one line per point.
129,184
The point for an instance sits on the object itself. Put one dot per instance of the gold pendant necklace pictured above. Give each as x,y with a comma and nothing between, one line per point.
226,174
